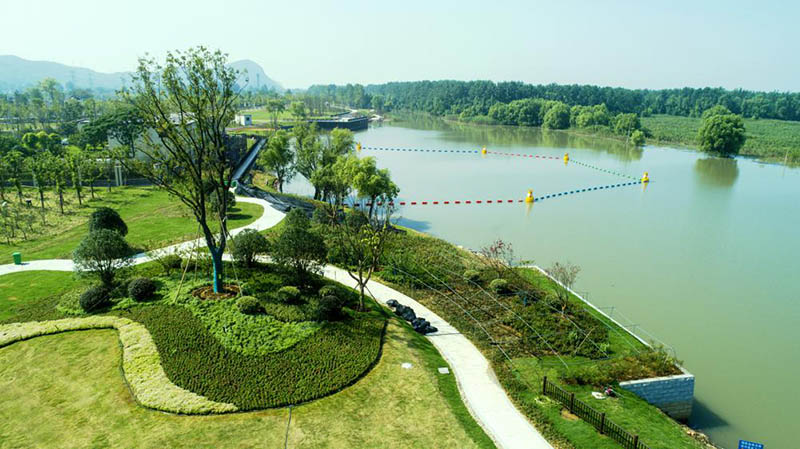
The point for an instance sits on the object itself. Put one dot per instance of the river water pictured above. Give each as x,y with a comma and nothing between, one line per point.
704,257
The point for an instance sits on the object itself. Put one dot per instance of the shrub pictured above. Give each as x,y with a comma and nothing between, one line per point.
286,313
107,218
169,262
329,290
102,253
288,294
472,276
298,246
247,245
499,286
141,289
94,298
330,307
248,305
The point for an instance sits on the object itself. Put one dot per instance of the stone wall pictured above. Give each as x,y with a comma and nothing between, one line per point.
672,394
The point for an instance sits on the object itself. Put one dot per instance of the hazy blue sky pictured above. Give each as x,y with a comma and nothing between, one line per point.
733,43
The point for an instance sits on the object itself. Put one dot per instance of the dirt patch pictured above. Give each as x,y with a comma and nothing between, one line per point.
207,292
568,416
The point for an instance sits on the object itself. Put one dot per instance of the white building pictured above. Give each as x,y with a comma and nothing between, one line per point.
244,119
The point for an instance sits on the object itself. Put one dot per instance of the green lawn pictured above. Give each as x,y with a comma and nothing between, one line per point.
770,139
70,386
23,292
154,220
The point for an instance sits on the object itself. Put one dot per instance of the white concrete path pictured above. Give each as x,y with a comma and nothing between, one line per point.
480,389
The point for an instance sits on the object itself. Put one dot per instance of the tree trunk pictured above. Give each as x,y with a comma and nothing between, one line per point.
91,189
61,201
216,257
80,200
41,199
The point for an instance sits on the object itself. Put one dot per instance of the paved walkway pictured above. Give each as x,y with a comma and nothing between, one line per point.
480,389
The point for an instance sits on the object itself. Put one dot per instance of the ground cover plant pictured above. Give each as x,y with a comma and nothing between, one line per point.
77,369
527,332
153,218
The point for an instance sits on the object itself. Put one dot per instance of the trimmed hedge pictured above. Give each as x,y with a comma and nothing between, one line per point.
141,363
289,294
338,355
94,298
248,305
141,289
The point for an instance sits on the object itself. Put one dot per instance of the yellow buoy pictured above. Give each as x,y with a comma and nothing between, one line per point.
645,178
566,157
529,197
358,146
483,151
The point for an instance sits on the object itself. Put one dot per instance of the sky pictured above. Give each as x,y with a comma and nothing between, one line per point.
635,44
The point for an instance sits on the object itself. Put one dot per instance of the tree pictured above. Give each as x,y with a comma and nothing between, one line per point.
557,117
373,184
75,160
107,218
565,274
188,102
637,138
92,171
58,175
247,245
722,133
626,124
102,253
279,158
15,164
298,109
499,256
308,151
125,124
298,246
4,177
358,242
275,106
41,167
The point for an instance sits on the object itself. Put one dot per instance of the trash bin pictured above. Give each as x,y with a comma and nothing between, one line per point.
17,258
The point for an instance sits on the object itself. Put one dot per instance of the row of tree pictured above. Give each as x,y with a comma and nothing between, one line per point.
475,98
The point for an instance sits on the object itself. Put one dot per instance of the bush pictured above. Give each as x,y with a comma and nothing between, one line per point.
248,305
94,298
472,276
288,294
329,290
107,218
286,313
330,307
102,253
499,286
247,245
169,262
141,289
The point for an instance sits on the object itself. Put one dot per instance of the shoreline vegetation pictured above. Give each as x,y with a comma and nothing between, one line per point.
769,141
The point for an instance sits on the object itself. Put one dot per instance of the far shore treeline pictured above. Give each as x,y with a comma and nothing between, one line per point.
475,98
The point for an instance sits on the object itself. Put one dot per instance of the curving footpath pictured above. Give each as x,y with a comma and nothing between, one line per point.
479,387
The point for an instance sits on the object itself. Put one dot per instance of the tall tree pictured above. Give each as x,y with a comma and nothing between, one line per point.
721,133
374,184
41,167
279,158
308,151
15,164
75,160
188,101
125,124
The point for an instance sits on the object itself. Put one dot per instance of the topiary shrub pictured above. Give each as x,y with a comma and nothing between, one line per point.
249,305
329,290
94,298
289,294
141,289
330,307
472,276
102,253
285,312
107,218
247,245
499,286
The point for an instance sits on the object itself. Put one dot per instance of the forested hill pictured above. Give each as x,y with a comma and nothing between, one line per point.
472,98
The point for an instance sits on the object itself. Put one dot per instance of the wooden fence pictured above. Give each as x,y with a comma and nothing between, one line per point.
592,416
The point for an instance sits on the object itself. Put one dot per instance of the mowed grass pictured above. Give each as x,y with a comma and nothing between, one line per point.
71,387
770,139
19,291
154,220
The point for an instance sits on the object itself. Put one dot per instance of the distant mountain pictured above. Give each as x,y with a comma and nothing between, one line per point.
253,76
17,73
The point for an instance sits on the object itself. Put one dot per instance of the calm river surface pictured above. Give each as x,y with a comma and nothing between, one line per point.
704,258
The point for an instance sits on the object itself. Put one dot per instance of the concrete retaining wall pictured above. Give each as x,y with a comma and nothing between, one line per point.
672,394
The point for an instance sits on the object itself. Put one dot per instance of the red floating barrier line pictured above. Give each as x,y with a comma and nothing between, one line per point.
402,203
424,202
435,202
413,203
510,201
458,202
469,202
487,201
478,202
447,202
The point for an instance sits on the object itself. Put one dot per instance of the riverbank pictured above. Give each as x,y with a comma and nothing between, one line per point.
772,141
